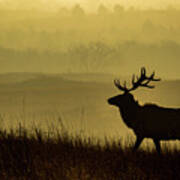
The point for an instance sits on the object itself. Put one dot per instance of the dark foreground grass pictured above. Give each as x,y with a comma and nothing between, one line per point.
62,157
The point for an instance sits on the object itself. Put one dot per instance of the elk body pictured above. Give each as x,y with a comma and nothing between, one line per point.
149,120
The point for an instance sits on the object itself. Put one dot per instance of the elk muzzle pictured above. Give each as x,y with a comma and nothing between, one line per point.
111,101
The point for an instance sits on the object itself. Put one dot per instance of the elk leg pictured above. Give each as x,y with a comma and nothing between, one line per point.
158,146
138,142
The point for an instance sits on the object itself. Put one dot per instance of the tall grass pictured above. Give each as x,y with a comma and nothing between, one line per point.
39,155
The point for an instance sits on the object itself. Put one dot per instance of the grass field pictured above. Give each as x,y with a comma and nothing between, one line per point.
40,155
59,153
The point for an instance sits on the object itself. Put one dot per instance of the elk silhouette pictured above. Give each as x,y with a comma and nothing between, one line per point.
149,120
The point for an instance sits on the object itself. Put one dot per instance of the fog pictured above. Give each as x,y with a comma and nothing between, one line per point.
88,5
59,59
70,40
44,101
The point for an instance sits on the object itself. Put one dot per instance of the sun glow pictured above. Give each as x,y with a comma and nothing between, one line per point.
90,5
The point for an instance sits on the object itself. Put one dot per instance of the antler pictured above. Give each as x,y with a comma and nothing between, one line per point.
143,81
118,85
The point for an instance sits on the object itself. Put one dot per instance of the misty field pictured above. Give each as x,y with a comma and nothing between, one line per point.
61,127
39,155
80,101
58,61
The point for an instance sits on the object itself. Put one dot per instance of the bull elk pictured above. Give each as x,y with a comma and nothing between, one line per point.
149,120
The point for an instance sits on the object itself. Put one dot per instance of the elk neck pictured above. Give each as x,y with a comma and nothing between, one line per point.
129,112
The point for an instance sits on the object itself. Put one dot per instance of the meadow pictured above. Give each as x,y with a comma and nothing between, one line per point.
61,127
80,101
39,155
57,124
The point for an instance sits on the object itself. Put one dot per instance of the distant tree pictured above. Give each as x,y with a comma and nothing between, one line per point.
91,58
78,11
103,10
148,27
118,9
132,9
63,11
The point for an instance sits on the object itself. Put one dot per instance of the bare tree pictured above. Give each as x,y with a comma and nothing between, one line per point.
149,120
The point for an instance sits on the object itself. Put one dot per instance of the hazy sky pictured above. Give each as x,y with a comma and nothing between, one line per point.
92,4
126,3
50,34
142,3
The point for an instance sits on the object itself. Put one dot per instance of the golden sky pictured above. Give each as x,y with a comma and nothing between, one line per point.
126,3
92,4
152,41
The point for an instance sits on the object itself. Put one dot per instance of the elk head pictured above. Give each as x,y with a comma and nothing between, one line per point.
127,98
